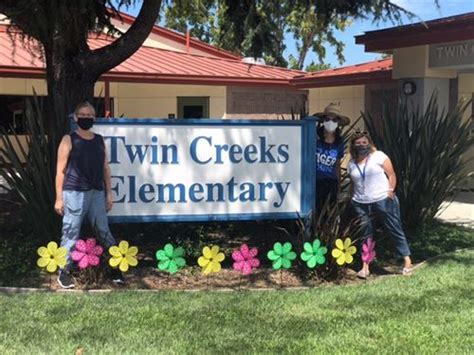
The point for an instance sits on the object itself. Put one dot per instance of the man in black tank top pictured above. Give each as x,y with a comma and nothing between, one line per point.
83,187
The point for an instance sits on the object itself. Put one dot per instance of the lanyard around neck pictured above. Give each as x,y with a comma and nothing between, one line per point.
362,172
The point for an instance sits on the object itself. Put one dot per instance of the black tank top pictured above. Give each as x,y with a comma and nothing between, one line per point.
85,167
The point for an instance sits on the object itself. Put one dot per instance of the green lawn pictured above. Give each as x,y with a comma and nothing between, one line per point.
430,312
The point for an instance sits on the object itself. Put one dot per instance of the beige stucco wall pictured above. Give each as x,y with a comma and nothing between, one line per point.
412,62
158,100
350,99
17,86
14,86
466,91
134,99
22,140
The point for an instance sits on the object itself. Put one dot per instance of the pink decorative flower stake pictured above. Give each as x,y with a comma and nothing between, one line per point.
368,251
87,253
245,259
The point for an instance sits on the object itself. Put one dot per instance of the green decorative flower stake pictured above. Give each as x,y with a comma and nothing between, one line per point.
313,254
170,259
281,256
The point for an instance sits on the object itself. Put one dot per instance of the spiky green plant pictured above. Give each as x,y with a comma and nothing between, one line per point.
29,171
427,149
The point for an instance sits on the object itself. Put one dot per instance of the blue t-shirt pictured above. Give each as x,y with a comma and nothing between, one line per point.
326,158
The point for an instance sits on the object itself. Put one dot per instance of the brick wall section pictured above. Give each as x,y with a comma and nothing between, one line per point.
263,102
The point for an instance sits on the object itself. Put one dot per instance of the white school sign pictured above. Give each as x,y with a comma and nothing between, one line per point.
198,170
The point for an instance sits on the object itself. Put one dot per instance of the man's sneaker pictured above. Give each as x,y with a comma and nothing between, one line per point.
65,280
117,277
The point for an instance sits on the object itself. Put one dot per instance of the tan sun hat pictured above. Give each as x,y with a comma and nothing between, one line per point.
333,110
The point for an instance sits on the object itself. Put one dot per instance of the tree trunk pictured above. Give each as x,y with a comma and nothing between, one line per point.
72,68
307,41
302,56
69,83
64,95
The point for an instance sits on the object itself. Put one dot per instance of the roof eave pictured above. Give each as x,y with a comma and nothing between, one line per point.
343,80
38,73
192,80
459,28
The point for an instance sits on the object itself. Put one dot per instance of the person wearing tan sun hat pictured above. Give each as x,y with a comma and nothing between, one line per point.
329,152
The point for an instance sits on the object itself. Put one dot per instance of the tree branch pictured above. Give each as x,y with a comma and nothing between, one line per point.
20,14
103,59
6,6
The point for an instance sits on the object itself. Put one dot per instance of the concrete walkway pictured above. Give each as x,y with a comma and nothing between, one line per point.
460,211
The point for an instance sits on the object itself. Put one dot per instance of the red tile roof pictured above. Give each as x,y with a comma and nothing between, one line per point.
150,64
370,72
448,29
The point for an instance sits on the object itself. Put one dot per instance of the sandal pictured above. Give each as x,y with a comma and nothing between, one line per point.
407,271
362,274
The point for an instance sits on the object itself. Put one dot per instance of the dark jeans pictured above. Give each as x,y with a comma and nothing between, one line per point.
325,188
388,214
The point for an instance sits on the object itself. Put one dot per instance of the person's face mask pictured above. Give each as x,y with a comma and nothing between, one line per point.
330,126
363,150
85,122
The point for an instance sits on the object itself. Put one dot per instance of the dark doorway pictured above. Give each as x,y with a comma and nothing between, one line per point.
193,111
193,107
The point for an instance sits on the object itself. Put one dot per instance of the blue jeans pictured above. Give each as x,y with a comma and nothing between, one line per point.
388,213
77,206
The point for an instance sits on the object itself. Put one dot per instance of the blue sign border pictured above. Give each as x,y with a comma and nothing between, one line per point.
308,168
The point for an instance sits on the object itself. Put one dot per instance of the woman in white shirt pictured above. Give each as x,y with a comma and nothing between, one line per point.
374,182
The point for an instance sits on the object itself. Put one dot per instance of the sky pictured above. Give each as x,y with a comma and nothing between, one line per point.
424,9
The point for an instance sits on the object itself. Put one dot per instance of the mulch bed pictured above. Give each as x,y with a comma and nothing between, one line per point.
191,278
147,277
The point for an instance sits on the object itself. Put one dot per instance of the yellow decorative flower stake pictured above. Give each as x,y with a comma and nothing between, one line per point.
344,251
211,259
51,257
123,256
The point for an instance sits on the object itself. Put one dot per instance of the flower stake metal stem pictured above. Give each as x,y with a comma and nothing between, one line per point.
51,257
170,259
343,252
210,261
281,257
245,261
